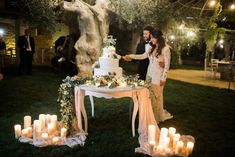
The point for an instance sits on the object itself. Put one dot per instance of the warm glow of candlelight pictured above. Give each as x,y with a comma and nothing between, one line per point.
27,121
163,134
160,149
42,118
63,132
55,140
45,136
50,128
17,128
151,133
190,146
179,147
24,133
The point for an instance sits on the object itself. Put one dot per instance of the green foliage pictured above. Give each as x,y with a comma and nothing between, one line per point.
38,13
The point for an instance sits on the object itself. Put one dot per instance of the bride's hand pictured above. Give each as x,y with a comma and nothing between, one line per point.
162,83
127,58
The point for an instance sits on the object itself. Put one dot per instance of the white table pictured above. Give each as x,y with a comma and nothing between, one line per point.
104,92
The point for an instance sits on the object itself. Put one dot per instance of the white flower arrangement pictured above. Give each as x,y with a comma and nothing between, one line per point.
66,94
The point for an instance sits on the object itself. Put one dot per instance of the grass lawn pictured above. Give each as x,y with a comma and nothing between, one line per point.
204,112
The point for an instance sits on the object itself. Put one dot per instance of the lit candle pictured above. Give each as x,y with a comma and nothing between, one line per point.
27,121
24,133
190,146
48,118
42,118
172,132
17,130
50,128
166,142
30,132
36,129
151,147
168,151
163,134
177,136
45,136
55,140
54,121
160,150
151,133
175,141
179,147
63,132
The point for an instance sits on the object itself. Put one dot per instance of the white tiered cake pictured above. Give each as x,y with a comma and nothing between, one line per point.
109,63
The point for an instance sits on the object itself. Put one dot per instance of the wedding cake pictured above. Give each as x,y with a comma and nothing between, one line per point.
109,61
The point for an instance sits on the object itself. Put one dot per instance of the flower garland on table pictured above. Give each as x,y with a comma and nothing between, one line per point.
66,91
65,99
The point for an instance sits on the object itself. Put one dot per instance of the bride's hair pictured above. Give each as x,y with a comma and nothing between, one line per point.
161,41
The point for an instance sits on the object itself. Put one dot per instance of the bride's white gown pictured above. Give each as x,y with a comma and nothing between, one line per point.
157,73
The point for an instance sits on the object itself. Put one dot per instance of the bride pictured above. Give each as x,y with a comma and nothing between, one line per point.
158,54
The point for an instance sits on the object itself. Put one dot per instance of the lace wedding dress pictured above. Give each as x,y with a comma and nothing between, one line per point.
157,74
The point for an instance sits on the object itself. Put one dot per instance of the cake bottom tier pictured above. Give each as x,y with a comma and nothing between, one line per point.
109,71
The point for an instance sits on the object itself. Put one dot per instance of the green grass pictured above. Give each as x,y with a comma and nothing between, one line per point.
204,112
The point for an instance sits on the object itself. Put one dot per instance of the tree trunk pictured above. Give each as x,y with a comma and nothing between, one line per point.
93,24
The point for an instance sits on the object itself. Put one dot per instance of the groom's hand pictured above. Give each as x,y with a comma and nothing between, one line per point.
127,58
161,64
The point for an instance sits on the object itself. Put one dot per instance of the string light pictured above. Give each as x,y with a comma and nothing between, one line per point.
172,37
1,32
232,7
212,3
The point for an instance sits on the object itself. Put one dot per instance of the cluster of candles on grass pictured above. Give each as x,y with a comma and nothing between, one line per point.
46,128
169,142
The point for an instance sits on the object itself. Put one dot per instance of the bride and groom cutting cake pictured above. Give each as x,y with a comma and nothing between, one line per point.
158,53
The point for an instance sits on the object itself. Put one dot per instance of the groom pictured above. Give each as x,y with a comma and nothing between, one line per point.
143,64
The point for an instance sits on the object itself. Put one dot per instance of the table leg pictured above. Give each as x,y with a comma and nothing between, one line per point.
92,106
84,115
136,107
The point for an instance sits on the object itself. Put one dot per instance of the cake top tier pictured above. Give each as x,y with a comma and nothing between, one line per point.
109,41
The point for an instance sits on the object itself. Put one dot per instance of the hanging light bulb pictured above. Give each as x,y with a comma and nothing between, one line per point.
212,3
232,7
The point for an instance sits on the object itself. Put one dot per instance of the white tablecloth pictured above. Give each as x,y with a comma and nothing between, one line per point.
146,116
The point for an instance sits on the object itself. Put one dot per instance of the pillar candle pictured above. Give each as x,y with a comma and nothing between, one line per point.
36,129
151,133
175,141
17,128
168,151
166,142
24,133
63,132
45,136
50,128
179,147
42,118
163,134
172,132
27,121
189,147
177,136
151,147
55,140
160,150
54,121
48,119
30,132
